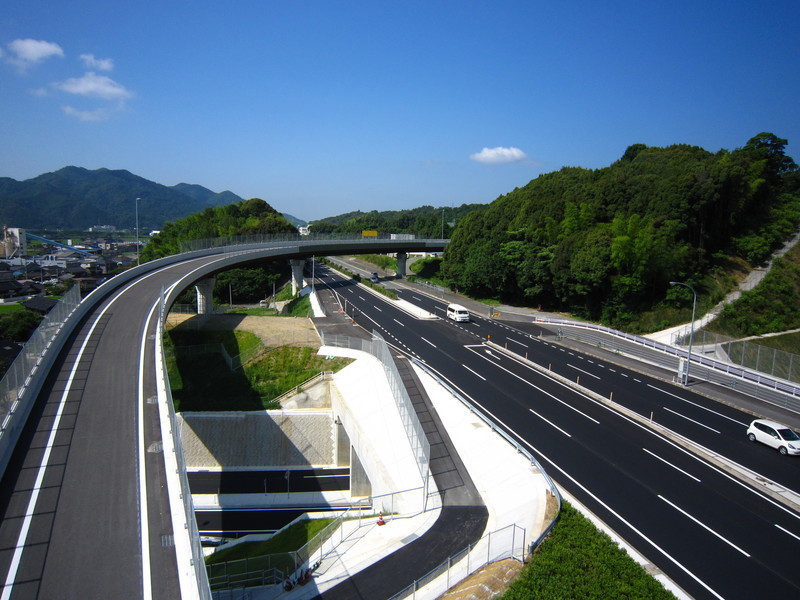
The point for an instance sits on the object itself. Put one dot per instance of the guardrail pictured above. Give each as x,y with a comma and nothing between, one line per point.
770,389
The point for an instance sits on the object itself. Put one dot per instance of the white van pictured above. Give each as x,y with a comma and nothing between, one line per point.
457,313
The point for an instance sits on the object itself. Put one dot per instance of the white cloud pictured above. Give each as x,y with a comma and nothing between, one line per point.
94,85
28,52
498,155
101,64
99,114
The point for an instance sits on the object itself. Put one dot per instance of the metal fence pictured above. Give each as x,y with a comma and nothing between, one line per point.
23,379
508,542
746,353
26,362
273,569
416,435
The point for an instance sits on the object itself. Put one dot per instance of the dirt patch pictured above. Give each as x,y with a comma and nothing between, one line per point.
272,331
490,582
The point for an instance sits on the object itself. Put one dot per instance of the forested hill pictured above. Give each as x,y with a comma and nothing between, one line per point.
605,243
424,221
78,198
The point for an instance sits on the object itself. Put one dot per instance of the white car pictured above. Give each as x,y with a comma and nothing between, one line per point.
775,435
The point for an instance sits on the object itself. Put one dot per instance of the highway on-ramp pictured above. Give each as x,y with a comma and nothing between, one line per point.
87,465
84,499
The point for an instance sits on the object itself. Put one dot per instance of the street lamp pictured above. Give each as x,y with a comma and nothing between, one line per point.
691,326
137,231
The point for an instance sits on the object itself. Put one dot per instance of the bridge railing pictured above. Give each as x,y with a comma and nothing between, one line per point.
246,240
19,385
196,557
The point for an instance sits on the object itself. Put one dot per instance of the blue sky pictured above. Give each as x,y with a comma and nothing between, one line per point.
323,107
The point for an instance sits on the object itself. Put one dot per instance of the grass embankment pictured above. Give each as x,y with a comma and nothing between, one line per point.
290,539
578,561
202,381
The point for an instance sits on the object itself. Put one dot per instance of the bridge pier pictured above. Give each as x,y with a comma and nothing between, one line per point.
297,265
205,293
402,258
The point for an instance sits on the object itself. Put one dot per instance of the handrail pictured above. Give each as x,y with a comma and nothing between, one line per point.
323,376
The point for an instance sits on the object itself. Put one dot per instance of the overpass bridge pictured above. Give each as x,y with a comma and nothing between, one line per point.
84,451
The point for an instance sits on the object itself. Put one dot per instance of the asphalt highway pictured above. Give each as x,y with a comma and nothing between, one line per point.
715,536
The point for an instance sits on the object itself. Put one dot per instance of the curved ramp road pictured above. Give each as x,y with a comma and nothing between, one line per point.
84,504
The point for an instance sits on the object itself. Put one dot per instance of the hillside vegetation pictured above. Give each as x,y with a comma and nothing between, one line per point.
424,221
604,244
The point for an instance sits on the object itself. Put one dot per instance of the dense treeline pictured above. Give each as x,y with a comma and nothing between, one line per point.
424,221
249,217
604,244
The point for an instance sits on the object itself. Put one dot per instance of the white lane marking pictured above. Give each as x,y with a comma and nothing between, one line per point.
692,420
582,371
474,372
144,525
795,536
704,526
37,486
536,387
549,422
586,491
427,342
666,462
695,404
398,322
516,342
376,308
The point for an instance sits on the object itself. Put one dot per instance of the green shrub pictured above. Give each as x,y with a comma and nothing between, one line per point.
578,561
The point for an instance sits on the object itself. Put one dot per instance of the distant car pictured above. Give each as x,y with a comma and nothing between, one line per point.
374,278
775,435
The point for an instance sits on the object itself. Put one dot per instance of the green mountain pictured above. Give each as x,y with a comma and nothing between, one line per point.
78,198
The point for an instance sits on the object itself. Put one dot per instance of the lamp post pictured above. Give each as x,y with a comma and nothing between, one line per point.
691,326
137,231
